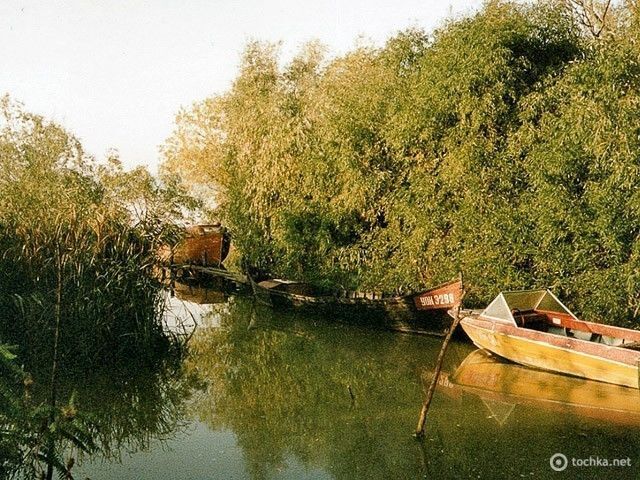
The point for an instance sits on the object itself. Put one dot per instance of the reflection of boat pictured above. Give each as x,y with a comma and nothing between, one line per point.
503,385
423,312
197,293
203,245
535,329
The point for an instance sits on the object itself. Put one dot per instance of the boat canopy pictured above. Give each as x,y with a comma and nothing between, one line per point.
506,303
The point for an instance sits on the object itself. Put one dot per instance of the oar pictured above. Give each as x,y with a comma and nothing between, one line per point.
436,374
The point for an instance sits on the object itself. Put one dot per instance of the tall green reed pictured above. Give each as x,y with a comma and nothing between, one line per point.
77,248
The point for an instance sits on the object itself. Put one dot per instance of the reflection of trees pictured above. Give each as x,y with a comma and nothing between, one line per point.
282,387
101,411
134,407
280,383
108,413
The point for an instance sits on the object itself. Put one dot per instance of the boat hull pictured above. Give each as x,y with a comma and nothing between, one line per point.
554,353
203,245
395,313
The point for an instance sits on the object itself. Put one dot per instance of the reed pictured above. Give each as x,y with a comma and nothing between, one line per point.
77,247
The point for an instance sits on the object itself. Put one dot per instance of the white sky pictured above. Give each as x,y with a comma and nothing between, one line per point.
115,73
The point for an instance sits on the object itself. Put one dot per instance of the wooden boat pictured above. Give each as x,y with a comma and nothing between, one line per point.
535,329
423,312
203,245
504,385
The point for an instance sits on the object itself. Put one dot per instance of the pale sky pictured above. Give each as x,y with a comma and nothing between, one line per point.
115,73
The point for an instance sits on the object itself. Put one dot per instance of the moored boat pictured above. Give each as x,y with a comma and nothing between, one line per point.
421,312
202,245
535,329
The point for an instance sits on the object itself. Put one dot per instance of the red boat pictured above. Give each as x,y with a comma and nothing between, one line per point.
203,245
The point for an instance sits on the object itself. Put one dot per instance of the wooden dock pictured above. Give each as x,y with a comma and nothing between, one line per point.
210,272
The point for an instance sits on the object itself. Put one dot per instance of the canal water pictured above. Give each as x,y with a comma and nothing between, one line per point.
264,394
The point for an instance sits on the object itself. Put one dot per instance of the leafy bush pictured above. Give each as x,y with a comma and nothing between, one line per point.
77,245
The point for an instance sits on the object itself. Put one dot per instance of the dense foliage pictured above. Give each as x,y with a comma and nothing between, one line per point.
77,243
77,291
502,145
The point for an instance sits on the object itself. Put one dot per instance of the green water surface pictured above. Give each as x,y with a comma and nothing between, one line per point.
284,395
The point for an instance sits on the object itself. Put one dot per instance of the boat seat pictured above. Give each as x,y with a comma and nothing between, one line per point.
611,341
582,335
561,331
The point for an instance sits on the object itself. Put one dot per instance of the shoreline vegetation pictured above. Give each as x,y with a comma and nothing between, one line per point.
77,293
79,242
503,145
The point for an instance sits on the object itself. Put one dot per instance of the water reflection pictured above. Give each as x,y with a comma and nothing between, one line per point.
341,398
58,409
281,383
502,386
101,415
214,291
265,394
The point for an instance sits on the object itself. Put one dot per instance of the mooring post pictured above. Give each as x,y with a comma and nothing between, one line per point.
436,374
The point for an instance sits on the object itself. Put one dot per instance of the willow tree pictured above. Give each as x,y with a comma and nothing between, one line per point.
502,144
581,142
249,143
386,167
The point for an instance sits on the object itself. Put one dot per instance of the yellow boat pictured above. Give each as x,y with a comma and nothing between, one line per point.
535,329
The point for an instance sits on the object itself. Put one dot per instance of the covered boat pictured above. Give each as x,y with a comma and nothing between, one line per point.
535,329
202,245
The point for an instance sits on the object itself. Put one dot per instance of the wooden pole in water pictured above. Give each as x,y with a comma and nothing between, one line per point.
436,374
